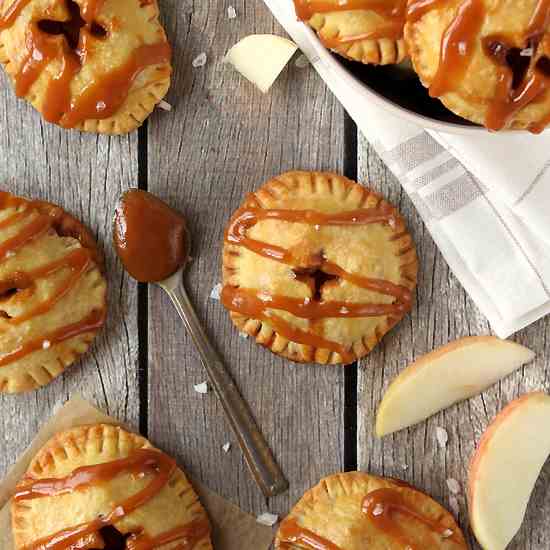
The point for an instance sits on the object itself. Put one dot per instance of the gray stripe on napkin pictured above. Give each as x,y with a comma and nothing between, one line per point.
533,184
434,173
414,152
452,196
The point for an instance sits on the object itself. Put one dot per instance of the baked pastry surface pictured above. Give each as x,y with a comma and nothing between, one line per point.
317,268
487,61
354,511
94,65
94,484
368,31
52,292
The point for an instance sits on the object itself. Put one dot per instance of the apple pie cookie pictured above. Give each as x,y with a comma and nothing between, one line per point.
94,65
487,61
353,511
317,268
369,31
100,486
52,292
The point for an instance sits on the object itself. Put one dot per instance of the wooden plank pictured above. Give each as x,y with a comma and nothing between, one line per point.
84,174
442,312
221,141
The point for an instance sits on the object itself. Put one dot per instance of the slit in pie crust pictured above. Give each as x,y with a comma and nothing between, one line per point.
100,486
317,268
52,292
93,65
488,62
355,510
368,31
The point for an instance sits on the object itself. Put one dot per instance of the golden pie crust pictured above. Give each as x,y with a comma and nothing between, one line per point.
375,51
174,506
105,59
500,23
381,251
333,510
52,292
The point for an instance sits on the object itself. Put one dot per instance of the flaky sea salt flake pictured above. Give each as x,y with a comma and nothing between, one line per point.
46,344
447,533
199,61
442,436
226,447
231,12
216,292
201,388
164,105
378,510
527,52
267,519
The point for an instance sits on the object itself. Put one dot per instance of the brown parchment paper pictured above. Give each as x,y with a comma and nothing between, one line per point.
233,529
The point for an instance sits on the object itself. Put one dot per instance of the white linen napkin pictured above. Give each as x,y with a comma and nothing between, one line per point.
484,198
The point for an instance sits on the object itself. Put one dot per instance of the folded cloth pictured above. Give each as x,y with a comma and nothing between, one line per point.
484,198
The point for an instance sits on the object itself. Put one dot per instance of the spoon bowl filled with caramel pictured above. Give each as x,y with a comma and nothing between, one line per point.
152,241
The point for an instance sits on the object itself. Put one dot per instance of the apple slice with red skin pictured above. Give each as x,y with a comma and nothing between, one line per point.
505,468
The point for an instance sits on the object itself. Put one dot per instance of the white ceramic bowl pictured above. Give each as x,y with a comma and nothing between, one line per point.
396,90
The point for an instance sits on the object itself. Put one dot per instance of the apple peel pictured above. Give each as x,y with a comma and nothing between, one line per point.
505,468
450,374
261,58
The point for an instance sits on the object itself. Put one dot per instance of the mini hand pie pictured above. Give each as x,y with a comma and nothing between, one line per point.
487,61
52,293
356,511
100,487
369,31
94,65
317,267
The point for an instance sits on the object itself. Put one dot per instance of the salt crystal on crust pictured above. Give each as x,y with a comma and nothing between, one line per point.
442,436
201,388
199,61
267,519
231,12
216,292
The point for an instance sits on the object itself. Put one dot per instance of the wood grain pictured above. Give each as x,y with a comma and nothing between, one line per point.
442,312
84,174
222,140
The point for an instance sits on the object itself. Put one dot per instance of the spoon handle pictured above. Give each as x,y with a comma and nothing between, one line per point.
256,452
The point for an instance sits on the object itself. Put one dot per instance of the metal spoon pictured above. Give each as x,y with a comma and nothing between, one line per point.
148,227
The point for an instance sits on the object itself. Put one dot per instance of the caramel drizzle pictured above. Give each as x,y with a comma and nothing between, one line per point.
392,11
100,99
379,507
457,46
12,13
258,305
140,462
77,261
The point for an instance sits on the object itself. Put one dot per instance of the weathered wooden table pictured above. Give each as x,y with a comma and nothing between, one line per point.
222,140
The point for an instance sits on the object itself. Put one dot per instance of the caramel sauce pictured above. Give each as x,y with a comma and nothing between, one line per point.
457,47
516,88
12,13
71,43
379,507
392,11
140,462
76,261
291,533
103,98
91,323
258,305
150,237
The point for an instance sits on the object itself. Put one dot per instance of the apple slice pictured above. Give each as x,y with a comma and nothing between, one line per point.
505,467
446,376
261,58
